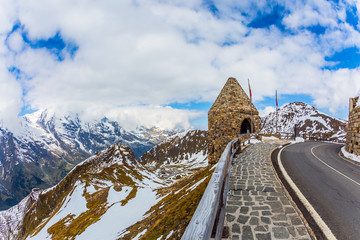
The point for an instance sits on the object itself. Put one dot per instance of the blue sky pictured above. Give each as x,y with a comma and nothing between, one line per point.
162,63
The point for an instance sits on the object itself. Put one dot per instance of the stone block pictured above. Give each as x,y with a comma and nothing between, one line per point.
281,233
243,219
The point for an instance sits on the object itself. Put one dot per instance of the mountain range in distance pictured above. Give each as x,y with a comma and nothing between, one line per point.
49,148
113,195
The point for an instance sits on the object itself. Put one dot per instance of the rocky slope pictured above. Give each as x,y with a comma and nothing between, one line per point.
308,120
112,196
185,151
47,147
107,180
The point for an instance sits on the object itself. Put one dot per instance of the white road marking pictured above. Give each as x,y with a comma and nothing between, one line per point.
320,222
332,167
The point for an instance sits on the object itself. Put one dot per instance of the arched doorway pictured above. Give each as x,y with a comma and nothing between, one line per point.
245,126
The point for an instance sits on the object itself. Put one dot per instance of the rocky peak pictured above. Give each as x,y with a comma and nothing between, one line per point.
307,119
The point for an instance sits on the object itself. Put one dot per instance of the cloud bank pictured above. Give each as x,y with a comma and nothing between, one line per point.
128,59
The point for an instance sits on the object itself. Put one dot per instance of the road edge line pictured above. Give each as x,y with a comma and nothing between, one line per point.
332,168
319,221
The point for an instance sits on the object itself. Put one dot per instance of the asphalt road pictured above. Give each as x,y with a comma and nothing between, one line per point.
329,183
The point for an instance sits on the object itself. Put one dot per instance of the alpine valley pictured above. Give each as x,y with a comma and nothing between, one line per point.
46,147
127,188
112,195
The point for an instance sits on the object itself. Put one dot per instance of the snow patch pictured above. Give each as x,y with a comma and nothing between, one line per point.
254,141
115,197
48,189
74,204
180,135
90,189
269,138
169,235
196,185
118,217
351,156
298,140
140,234
197,160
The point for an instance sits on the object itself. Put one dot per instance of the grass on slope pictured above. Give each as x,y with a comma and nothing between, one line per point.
169,218
51,202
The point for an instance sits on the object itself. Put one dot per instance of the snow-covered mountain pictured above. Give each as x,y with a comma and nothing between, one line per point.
47,147
307,119
111,195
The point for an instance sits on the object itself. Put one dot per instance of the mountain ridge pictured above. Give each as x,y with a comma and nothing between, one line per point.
47,147
308,120
105,169
111,184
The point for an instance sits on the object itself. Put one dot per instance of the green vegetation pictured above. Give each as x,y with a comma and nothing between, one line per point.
69,227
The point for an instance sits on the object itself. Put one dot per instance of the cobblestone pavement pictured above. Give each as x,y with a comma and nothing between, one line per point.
257,206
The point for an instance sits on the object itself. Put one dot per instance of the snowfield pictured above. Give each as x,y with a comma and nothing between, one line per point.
123,207
119,217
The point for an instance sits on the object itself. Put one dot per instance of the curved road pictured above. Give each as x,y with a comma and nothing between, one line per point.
330,183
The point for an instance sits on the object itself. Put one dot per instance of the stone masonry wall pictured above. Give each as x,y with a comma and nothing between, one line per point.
226,116
353,129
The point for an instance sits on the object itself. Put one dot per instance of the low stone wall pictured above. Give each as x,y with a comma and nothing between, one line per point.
353,128
277,135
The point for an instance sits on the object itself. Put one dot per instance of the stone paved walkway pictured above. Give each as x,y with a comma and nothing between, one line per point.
257,206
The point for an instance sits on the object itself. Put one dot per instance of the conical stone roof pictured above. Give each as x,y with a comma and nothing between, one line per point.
233,96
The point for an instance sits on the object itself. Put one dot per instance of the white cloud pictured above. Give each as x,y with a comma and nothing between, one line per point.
336,88
266,111
314,12
141,54
7,15
149,116
10,99
15,41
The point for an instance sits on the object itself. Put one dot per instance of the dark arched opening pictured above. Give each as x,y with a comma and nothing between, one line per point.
245,126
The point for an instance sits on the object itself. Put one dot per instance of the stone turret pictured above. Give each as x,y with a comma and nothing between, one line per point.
231,114
353,127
